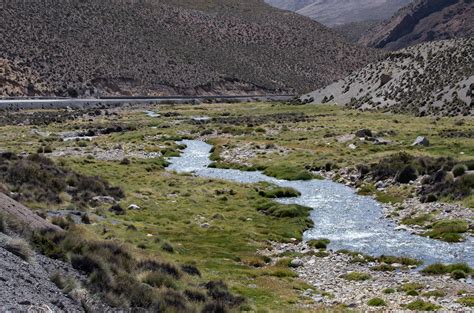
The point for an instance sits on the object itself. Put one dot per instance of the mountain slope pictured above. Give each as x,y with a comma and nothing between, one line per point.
338,12
423,20
434,78
166,47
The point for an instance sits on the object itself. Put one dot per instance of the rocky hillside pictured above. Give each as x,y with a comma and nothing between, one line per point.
337,12
166,47
435,78
423,20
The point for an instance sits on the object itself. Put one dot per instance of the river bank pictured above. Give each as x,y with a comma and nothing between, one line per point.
328,272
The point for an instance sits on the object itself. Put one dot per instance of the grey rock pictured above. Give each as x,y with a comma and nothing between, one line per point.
421,141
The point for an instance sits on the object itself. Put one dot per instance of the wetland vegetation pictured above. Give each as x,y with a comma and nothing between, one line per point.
195,242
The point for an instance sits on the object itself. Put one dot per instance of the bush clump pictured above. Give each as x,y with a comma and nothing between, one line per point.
20,248
272,191
441,269
459,170
467,301
38,179
319,243
288,172
284,210
376,302
420,305
356,276
448,230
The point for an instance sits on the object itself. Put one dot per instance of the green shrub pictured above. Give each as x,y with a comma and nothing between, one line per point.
458,274
420,305
20,248
167,247
376,302
272,191
398,259
441,269
288,172
467,301
356,276
284,210
65,283
321,243
389,290
434,293
159,279
383,268
448,230
459,170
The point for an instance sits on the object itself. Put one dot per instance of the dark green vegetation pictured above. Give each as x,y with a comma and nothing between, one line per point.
37,179
457,270
376,302
467,301
356,276
319,243
125,280
167,47
420,305
439,183
272,191
448,230
208,226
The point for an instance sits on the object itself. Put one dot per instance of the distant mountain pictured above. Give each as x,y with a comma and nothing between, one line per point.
433,78
89,47
355,30
423,20
291,5
338,12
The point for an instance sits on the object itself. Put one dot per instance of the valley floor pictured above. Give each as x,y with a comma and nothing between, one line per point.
215,225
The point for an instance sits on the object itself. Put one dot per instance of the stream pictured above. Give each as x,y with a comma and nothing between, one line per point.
349,220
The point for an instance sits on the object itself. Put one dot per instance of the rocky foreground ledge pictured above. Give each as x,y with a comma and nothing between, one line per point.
351,280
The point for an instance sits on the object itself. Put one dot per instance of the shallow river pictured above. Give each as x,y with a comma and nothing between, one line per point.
350,221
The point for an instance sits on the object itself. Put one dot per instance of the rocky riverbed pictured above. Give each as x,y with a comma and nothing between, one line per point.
326,270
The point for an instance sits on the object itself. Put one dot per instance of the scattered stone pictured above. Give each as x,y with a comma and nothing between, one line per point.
421,141
352,146
362,133
296,263
134,207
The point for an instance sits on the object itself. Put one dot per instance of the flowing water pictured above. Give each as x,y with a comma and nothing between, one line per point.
350,221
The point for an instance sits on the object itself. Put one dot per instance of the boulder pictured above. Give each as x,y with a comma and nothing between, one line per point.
362,133
421,141
134,207
296,263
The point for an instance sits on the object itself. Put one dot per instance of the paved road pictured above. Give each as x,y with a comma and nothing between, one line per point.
58,103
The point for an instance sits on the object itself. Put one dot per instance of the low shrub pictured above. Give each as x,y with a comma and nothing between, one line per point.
357,276
284,210
458,274
441,269
159,279
420,305
288,172
467,301
434,293
319,243
20,248
383,268
389,290
376,302
459,170
273,191
65,283
448,230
